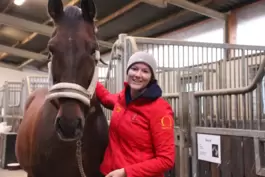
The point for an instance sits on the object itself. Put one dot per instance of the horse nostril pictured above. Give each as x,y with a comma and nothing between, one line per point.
77,123
59,124
69,127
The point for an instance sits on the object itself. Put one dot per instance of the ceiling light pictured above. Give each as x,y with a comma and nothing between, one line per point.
19,2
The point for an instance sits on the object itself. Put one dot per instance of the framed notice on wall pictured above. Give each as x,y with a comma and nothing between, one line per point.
209,148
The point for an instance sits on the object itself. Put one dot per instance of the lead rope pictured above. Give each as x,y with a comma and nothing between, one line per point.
79,157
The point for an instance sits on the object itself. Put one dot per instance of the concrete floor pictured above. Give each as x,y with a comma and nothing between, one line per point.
14,173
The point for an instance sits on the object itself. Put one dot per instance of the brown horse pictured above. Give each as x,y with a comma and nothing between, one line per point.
64,132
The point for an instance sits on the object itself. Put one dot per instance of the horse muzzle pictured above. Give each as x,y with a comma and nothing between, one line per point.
70,121
69,129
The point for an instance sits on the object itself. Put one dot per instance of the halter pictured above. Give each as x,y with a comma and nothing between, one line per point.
71,90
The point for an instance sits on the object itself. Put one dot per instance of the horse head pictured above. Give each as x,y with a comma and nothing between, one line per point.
74,55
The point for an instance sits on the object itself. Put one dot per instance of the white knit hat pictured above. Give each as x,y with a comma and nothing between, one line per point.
142,57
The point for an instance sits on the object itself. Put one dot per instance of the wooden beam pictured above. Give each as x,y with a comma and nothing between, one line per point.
191,6
198,9
26,25
8,66
22,53
230,32
161,22
118,12
164,20
30,60
157,3
230,28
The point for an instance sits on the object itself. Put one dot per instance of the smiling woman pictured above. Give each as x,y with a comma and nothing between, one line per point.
139,75
141,136
140,72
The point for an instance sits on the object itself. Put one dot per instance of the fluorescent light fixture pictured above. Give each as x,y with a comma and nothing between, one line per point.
19,2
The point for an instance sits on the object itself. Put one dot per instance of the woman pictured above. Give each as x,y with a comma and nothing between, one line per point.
141,135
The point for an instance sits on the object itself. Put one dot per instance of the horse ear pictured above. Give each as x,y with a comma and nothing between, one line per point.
55,9
88,10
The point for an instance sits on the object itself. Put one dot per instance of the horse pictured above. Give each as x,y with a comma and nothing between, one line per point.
64,132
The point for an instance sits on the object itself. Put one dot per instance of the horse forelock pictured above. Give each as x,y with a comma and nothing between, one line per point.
72,12
73,16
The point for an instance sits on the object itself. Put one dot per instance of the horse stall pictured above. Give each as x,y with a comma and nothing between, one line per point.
11,105
12,101
34,82
217,94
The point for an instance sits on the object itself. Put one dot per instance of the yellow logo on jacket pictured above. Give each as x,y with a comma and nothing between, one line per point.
118,109
166,122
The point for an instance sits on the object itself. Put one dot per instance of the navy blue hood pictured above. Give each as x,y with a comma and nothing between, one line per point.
152,92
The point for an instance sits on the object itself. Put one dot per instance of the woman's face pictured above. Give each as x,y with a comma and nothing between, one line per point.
139,75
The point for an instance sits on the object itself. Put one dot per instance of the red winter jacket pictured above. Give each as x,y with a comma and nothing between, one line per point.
141,135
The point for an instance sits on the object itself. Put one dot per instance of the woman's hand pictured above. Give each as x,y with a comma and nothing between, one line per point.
117,173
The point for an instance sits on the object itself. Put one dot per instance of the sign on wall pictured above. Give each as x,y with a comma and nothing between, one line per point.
209,148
